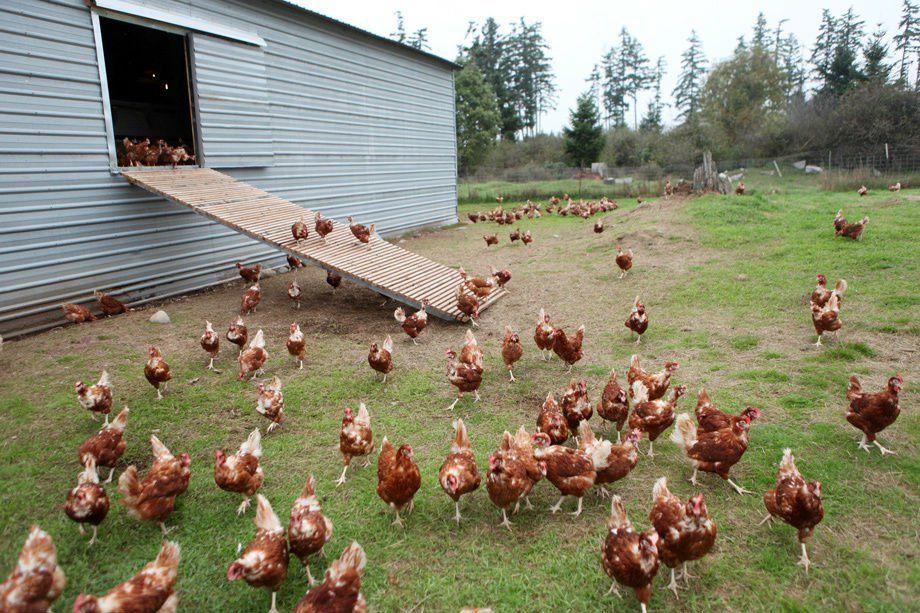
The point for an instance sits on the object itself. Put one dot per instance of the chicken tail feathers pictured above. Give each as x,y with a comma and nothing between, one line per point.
266,519
309,488
363,416
841,286
169,556
129,486
787,464
854,388
660,489
618,518
353,557
121,420
640,392
586,434
38,551
159,449
462,438
253,444
685,432
103,378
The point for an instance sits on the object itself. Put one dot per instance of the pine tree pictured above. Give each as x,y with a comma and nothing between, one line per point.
635,69
822,55
876,69
478,118
584,139
613,91
759,37
400,34
692,77
518,67
419,39
652,120
789,60
906,41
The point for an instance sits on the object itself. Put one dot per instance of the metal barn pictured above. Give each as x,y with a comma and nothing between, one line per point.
322,114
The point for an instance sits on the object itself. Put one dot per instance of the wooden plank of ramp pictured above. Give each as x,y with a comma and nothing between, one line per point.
385,268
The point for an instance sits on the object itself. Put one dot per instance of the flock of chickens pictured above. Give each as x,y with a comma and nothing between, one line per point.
712,441
144,153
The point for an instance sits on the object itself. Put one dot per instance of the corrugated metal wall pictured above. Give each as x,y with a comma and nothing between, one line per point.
356,127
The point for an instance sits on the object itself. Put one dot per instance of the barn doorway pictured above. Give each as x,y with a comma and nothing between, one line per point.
147,75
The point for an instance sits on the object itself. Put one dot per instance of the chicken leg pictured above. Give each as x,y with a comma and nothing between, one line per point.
166,530
505,521
457,515
111,472
864,444
555,508
243,506
614,589
309,574
94,539
673,584
577,512
882,449
511,376
211,364
768,518
651,451
738,488
341,479
693,478
804,561
398,521
274,608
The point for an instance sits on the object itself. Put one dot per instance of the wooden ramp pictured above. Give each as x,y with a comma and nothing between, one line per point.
384,268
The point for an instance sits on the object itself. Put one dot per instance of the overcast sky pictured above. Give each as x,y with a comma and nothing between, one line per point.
580,32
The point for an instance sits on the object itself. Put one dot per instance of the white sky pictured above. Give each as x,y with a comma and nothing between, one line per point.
580,32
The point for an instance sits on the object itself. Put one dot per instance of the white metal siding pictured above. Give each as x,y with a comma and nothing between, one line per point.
233,108
356,127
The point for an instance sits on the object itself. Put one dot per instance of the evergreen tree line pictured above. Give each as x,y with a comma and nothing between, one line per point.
852,88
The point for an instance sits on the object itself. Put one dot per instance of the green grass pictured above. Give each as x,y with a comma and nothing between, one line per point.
724,280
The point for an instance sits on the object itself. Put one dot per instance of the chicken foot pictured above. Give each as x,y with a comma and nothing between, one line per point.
457,516
673,584
804,561
505,521
111,472
768,518
555,508
577,511
614,589
243,506
166,530
94,539
398,521
341,479
274,608
738,488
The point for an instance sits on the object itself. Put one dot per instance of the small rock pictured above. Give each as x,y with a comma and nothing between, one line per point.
741,277
269,272
160,317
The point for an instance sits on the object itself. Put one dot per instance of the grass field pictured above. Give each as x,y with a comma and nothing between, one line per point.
725,281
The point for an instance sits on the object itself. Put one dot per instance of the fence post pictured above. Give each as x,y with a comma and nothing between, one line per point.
776,166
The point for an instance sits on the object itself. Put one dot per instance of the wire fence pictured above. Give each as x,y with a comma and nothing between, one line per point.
874,166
